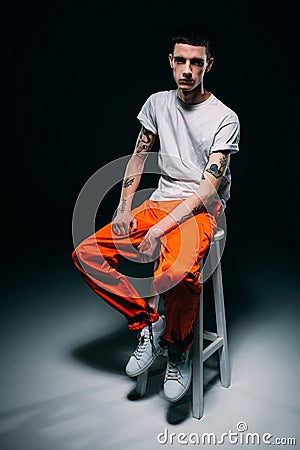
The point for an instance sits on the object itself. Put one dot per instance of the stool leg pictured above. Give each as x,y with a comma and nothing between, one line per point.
197,382
221,320
141,384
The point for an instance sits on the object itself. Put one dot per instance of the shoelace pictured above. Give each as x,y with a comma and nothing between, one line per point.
138,353
173,372
151,338
144,339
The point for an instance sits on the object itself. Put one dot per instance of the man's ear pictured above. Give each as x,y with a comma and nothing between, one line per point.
209,65
171,60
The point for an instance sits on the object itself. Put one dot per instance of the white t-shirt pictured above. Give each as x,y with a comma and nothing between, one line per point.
188,134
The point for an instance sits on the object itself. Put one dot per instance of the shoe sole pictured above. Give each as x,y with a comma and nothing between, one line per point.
151,361
174,400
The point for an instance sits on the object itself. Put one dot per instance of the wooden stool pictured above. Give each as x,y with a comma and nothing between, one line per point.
218,339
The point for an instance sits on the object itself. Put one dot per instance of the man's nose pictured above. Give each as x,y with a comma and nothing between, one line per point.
187,70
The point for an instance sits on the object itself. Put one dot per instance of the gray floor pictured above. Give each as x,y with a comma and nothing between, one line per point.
63,382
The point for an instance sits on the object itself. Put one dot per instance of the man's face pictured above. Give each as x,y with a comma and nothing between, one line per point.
189,64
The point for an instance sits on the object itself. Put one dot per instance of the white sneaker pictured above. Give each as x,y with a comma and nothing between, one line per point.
178,374
145,354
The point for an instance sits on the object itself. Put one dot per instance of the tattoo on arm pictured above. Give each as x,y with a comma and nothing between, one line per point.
216,171
145,136
128,182
123,204
144,143
141,155
194,211
197,209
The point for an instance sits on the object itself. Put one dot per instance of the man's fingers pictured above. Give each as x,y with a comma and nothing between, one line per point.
144,247
145,258
118,230
140,246
115,229
133,224
123,230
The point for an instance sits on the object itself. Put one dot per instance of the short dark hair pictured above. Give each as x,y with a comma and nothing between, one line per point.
192,34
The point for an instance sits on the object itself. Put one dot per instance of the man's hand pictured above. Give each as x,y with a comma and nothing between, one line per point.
123,223
150,245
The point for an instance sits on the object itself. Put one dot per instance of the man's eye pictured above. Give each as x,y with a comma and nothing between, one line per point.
179,60
196,62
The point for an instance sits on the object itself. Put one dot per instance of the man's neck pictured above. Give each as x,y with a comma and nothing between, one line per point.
193,97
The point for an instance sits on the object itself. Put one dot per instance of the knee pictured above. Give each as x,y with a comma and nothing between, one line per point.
86,253
74,257
78,256
168,279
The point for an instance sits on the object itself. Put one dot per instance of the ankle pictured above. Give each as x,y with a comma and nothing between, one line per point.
159,325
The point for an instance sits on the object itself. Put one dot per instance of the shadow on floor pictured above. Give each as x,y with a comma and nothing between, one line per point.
109,353
178,412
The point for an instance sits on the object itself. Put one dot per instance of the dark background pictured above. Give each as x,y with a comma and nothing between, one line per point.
73,78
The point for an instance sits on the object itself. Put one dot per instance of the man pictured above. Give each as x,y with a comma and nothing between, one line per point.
197,133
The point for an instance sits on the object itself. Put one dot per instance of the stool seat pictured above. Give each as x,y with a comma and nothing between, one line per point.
218,234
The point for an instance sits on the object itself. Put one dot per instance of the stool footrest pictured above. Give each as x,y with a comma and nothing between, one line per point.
209,336
211,348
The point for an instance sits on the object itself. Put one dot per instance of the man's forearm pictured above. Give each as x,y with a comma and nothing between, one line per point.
201,199
184,211
192,205
134,168
130,182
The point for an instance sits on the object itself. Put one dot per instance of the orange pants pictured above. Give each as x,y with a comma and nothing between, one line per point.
176,277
